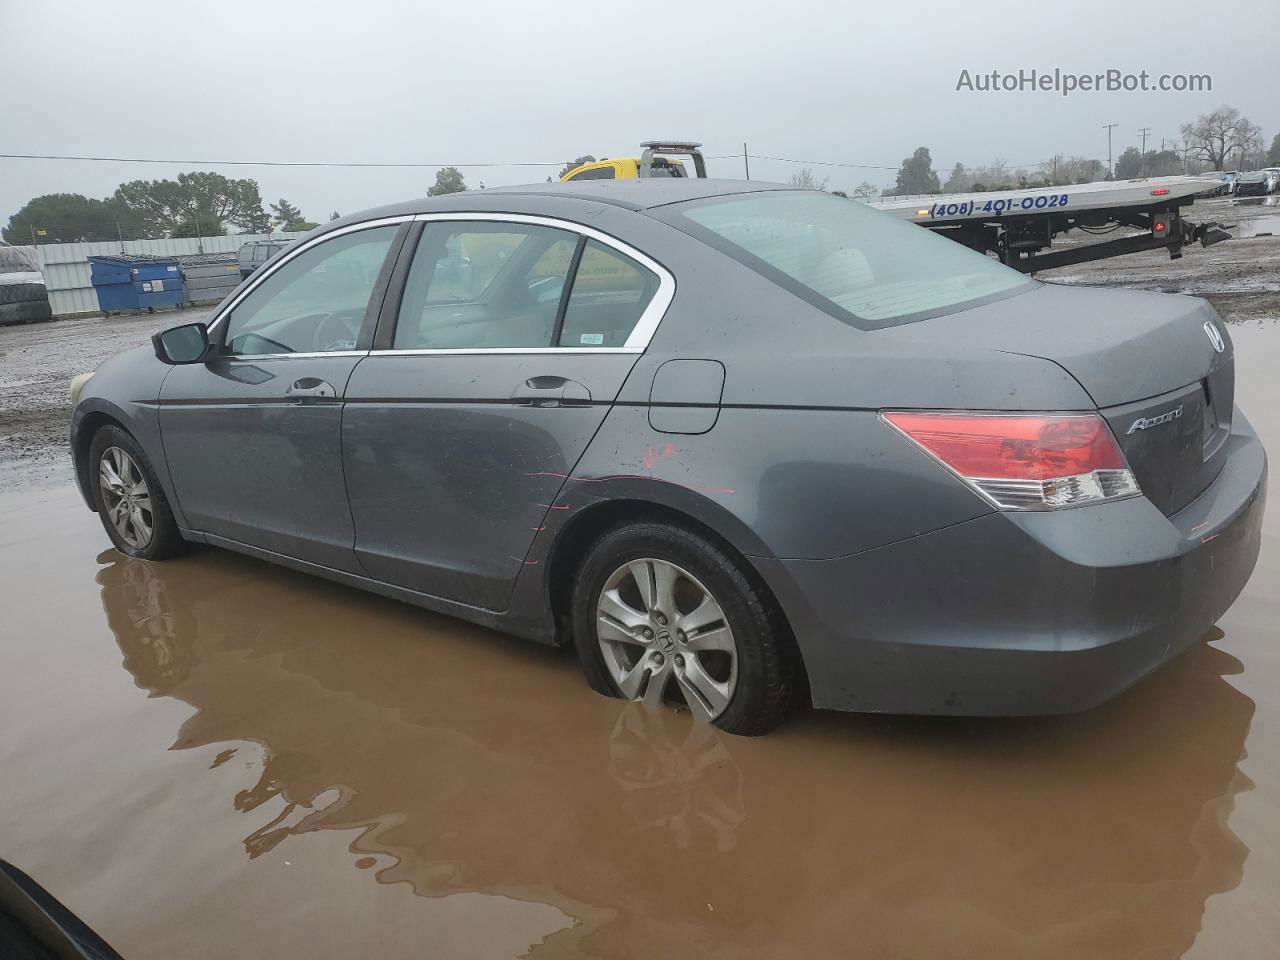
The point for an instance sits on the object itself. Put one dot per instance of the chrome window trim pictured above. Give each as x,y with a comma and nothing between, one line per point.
510,351
637,341
641,333
302,354
261,274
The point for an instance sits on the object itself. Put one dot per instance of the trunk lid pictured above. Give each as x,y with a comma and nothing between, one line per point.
1150,361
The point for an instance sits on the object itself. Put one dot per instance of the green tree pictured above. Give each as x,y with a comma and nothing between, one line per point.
334,216
285,212
198,227
288,217
67,217
1129,165
916,175
573,165
163,205
448,180
1273,155
959,181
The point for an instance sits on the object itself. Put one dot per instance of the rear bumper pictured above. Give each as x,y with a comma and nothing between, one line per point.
1026,613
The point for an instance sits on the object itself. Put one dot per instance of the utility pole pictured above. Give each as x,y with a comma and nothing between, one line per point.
1108,127
746,165
1144,131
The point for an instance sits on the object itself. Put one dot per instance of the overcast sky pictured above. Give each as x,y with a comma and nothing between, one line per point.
499,81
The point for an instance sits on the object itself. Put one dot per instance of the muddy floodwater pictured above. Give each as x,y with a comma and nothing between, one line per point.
216,758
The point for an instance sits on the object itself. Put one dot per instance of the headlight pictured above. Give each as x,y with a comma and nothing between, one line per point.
77,384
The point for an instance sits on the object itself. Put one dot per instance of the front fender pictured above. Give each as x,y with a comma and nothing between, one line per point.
125,389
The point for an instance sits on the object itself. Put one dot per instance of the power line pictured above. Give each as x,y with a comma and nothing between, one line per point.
280,163
415,164
826,163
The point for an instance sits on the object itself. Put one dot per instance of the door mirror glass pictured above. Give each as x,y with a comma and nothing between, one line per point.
185,344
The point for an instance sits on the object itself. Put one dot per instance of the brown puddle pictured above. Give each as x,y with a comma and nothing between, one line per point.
216,758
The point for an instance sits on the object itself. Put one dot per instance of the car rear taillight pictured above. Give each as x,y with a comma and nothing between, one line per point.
1024,461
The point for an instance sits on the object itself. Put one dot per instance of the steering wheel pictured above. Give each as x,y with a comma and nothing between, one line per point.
338,331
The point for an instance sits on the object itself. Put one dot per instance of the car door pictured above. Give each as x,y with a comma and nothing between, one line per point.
252,437
512,338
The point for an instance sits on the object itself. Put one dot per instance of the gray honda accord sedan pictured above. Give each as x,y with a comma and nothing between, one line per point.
739,444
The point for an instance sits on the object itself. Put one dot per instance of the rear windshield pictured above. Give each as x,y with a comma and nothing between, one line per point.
861,265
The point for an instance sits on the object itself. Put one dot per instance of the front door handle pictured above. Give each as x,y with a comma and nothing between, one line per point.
311,388
550,392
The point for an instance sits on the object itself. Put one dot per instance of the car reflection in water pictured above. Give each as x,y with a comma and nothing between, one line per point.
464,761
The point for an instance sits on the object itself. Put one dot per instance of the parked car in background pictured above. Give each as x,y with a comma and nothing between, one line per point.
1273,178
257,252
720,436
1221,181
1253,185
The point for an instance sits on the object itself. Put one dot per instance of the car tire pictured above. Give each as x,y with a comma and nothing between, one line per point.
136,503
760,678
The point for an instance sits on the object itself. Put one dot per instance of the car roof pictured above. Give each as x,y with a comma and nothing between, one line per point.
640,194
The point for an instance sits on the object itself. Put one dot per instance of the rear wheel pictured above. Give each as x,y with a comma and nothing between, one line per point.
130,501
664,616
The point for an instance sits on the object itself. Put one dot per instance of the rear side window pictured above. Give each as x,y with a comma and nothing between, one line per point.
861,265
481,285
492,285
610,293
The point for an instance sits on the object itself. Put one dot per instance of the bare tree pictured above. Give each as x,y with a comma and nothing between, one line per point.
806,180
995,176
1216,137
866,191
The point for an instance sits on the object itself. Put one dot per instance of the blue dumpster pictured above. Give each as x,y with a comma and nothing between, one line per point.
127,282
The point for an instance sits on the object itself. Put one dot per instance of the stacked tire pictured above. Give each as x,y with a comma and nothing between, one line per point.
23,296
23,302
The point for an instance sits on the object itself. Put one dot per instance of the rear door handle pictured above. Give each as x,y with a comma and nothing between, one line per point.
550,392
311,388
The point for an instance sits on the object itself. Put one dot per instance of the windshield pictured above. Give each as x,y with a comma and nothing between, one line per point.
859,264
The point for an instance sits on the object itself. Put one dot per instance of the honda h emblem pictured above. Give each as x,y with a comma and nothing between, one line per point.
1214,336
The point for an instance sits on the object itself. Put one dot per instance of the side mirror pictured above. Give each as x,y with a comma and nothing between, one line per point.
185,344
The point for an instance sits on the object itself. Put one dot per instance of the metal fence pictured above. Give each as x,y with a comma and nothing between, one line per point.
66,269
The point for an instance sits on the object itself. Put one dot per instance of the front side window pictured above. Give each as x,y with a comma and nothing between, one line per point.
480,285
859,264
314,303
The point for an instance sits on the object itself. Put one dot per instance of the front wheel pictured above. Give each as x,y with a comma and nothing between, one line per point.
130,501
663,615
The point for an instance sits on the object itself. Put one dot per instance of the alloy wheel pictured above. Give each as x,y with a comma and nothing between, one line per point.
126,498
662,634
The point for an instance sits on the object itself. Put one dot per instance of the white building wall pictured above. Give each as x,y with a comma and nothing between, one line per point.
66,268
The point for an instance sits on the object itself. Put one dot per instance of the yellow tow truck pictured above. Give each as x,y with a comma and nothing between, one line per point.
654,161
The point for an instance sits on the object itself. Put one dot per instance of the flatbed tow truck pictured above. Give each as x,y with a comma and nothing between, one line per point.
1016,226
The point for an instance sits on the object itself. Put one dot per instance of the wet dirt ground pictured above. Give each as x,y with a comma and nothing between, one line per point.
213,757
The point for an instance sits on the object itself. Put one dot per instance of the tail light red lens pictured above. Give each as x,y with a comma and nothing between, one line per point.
1022,462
